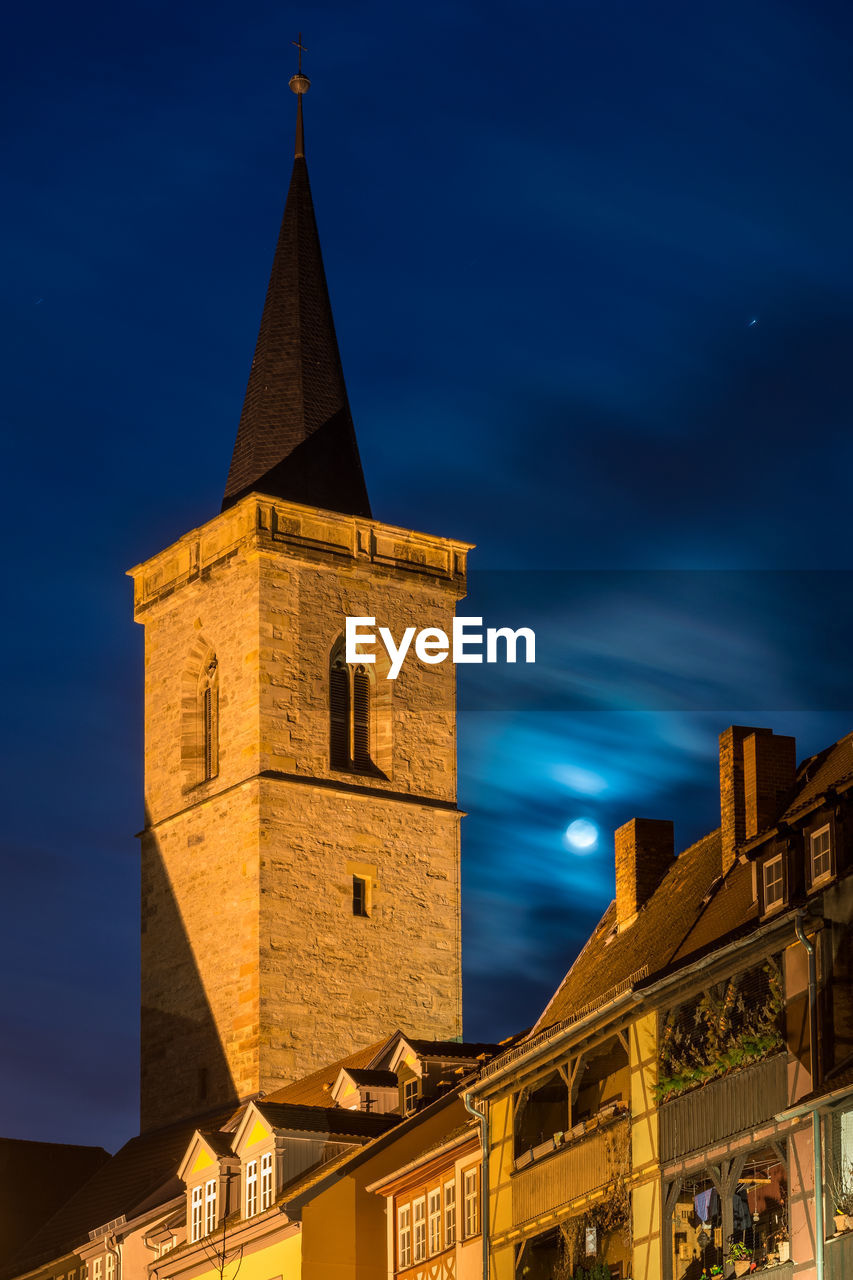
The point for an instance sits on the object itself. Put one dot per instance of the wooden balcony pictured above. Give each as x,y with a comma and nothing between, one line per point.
572,1170
734,1104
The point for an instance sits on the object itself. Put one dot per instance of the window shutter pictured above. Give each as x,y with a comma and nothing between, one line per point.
339,717
361,719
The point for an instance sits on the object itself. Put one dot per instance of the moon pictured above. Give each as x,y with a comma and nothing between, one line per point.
582,835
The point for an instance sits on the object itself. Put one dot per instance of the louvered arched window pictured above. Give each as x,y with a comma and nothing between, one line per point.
208,716
349,715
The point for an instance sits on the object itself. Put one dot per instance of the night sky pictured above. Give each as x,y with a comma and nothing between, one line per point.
591,272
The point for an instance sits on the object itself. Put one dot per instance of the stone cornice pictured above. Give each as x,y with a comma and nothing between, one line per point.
262,524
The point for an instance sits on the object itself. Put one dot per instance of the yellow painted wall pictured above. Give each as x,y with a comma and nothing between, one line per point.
501,1161
646,1203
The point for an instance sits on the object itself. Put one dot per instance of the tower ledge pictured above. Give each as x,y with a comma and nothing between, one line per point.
271,524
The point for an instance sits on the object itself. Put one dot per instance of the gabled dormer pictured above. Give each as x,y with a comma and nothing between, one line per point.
210,1172
357,1089
425,1069
254,1145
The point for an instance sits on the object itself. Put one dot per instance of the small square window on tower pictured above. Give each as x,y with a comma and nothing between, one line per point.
360,896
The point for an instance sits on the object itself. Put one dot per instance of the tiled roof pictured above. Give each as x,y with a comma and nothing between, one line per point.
372,1079
133,1175
826,769
336,1120
653,940
296,438
313,1090
453,1049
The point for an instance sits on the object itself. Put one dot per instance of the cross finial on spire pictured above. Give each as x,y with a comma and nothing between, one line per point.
300,85
301,47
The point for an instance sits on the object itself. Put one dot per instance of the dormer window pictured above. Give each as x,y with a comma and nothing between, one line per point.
266,1181
773,877
820,851
410,1096
251,1188
210,1206
195,1215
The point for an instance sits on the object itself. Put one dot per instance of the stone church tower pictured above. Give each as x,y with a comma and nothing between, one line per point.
300,857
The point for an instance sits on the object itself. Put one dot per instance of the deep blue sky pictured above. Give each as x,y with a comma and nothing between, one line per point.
546,234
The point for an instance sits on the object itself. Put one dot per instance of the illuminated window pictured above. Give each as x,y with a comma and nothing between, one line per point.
821,854
410,1096
449,1214
97,1268
434,1221
111,1266
266,1181
404,1237
419,1230
210,1207
195,1217
471,1201
774,883
251,1189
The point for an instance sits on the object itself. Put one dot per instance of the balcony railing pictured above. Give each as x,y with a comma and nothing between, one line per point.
575,1169
722,1108
839,1257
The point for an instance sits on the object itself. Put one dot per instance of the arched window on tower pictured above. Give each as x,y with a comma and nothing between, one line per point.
339,711
350,728
208,719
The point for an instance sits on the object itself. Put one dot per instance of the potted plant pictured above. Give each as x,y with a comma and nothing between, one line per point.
740,1256
841,1191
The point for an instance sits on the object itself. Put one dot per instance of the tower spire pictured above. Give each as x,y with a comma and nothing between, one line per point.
296,438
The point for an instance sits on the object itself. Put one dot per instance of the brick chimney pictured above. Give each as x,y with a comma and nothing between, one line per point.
645,849
757,771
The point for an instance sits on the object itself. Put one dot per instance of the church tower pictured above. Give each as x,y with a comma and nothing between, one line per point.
300,856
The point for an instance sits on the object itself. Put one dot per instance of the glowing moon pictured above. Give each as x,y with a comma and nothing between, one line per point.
582,835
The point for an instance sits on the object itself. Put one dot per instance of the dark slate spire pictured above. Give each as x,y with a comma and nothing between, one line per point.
296,438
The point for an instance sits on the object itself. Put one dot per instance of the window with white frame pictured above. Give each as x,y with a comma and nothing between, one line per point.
84,1271
72,1275
251,1188
110,1269
774,883
195,1217
471,1201
404,1236
210,1206
449,1214
419,1230
266,1181
434,1220
821,854
410,1096
97,1268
